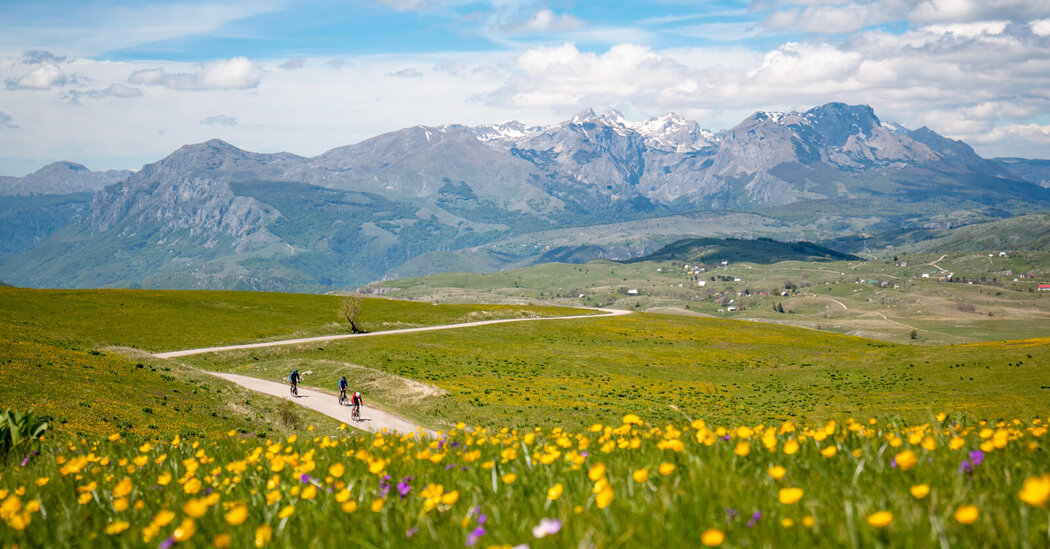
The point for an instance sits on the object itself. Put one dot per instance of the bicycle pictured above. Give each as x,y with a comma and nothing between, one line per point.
294,390
343,400
355,413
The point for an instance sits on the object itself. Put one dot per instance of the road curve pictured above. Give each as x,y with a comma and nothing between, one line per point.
188,352
372,419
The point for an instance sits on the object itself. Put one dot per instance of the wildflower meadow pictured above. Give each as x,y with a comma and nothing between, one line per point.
948,482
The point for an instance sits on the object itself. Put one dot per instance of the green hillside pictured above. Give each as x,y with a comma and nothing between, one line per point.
55,354
164,320
759,250
1023,233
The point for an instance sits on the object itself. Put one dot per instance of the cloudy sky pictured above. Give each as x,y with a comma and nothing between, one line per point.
116,84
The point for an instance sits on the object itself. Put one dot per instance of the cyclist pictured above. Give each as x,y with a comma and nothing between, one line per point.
342,389
294,378
356,401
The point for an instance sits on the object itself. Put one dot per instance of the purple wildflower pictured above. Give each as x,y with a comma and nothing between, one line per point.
403,487
167,543
976,457
384,486
893,463
482,518
305,478
726,437
450,466
965,467
474,535
411,531
731,513
754,518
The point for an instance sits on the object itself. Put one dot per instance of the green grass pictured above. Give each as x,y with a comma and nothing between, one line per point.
95,393
164,320
572,373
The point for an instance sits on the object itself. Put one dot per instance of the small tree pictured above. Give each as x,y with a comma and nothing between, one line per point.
352,312
914,334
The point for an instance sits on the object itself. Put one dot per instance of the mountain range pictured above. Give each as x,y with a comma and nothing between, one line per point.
431,199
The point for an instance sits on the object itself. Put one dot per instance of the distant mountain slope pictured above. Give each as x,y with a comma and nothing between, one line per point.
1031,170
61,178
426,199
1028,232
759,250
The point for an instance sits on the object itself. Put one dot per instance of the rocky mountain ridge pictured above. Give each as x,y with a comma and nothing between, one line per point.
213,215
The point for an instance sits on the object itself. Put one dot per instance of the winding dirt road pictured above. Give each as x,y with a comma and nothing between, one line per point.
200,351
372,419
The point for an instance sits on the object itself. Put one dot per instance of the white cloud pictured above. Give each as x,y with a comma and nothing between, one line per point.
406,73
238,73
113,90
36,57
944,11
1024,140
1040,27
43,77
546,20
293,64
220,120
6,122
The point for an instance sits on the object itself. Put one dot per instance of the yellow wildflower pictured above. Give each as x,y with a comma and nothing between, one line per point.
185,530
777,472
920,491
789,496
966,514
712,537
117,527
264,533
554,492
880,519
906,460
237,515
1036,490
641,475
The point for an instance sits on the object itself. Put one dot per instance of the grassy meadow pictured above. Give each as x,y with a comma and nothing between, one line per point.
647,429
666,367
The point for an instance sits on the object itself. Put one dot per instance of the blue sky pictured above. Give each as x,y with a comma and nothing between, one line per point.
118,84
